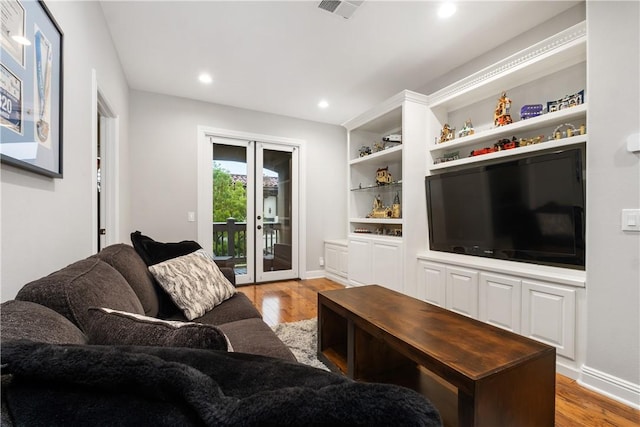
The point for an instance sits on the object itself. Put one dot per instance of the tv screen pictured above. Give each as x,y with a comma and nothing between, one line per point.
529,210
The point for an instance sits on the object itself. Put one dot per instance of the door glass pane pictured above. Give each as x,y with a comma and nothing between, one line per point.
229,213
276,210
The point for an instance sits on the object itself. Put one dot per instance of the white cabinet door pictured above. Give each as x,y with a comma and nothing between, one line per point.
462,291
499,302
332,258
386,259
549,315
431,283
360,271
343,261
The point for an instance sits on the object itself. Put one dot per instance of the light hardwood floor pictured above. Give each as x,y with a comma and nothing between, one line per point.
294,300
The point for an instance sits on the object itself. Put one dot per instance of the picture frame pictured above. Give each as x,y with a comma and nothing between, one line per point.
31,88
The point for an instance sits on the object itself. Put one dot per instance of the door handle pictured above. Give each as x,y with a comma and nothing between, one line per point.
259,227
259,217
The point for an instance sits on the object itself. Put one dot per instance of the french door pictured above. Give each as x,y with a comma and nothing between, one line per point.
254,208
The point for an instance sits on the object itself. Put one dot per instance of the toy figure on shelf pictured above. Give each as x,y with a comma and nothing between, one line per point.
395,207
383,176
571,131
379,210
467,129
501,115
530,141
364,151
378,146
447,134
506,144
529,111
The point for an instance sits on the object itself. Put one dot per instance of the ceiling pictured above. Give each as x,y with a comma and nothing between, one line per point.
283,57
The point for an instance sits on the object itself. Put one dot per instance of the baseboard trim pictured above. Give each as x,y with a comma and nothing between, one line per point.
615,388
314,274
339,279
567,370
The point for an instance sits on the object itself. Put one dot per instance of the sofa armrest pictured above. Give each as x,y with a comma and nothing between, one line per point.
229,274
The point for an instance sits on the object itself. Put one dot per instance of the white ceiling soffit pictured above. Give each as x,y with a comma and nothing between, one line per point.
345,9
283,57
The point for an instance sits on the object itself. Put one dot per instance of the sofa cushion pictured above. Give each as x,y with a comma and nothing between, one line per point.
25,320
126,260
90,282
194,282
153,252
256,337
113,327
237,307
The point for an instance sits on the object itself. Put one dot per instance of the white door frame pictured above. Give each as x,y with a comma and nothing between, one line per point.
261,275
109,128
205,184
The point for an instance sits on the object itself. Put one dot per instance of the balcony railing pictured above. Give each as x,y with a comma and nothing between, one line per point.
230,241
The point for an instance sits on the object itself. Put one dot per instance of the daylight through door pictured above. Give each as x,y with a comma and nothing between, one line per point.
254,209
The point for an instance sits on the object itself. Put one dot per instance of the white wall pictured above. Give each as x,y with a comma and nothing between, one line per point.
613,183
46,223
164,166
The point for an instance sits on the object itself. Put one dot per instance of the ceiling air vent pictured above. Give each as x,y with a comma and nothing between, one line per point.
341,8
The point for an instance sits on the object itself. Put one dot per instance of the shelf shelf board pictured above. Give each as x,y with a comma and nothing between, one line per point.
531,124
393,186
376,236
388,155
388,221
547,145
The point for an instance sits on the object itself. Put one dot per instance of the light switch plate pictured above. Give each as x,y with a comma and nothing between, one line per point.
191,216
630,219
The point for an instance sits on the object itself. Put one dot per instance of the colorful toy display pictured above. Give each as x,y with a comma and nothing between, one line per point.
364,151
383,177
447,134
566,102
529,111
447,157
501,114
467,129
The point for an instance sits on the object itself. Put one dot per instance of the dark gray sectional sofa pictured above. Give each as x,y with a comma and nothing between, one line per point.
62,366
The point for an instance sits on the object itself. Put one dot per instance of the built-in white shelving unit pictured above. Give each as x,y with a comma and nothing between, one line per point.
376,246
541,302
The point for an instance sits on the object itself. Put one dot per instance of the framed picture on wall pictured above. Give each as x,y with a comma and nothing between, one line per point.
31,45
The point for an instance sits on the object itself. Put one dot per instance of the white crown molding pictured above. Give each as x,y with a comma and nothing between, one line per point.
384,107
553,45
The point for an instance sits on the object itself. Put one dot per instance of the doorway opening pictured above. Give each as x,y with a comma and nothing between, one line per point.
105,221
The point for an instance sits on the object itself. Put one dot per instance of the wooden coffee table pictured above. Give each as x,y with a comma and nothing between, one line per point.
474,373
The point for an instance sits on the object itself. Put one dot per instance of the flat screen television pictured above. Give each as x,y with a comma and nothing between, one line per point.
529,210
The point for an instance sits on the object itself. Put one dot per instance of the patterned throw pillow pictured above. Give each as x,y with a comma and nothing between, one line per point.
113,327
194,282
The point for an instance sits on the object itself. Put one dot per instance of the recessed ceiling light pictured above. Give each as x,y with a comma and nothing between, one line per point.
446,10
21,40
323,104
205,78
